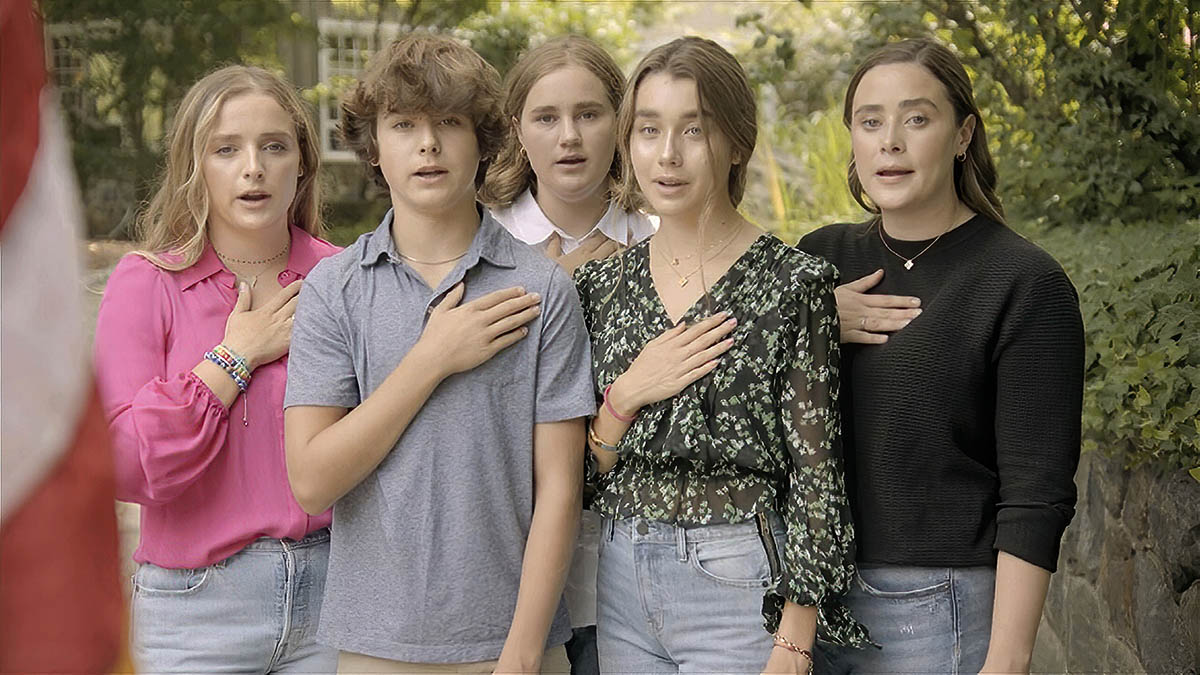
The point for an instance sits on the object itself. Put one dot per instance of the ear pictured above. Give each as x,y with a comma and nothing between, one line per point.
966,131
735,159
516,125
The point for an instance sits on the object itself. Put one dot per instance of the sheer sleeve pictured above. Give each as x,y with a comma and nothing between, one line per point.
167,427
818,557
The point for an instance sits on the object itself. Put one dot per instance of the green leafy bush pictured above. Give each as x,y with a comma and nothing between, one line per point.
1139,291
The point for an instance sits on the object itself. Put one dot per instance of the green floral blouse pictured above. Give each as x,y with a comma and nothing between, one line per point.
759,434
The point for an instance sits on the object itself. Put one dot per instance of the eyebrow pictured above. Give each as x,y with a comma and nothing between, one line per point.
224,138
654,114
906,103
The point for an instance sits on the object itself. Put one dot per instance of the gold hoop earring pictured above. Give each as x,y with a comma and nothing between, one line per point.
962,156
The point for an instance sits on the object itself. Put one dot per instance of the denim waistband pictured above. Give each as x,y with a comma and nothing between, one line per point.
314,538
645,530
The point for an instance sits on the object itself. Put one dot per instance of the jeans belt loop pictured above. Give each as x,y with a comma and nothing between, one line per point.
681,543
609,528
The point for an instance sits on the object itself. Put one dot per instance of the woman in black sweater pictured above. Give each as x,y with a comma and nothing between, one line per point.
962,425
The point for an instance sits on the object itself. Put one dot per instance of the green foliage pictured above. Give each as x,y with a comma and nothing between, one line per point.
1093,106
502,30
1139,293
141,56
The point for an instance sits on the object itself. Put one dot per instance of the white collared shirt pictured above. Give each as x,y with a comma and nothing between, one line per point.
525,221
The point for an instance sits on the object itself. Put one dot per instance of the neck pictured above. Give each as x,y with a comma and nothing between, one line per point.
243,245
575,218
683,232
926,221
429,236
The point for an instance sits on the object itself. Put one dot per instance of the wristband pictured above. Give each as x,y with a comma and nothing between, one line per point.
781,641
627,419
232,363
595,439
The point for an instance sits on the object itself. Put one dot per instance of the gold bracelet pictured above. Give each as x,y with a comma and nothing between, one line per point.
781,641
595,439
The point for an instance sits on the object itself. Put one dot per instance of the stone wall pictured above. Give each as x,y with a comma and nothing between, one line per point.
1126,597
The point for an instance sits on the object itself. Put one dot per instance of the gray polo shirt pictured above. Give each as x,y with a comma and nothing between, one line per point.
425,561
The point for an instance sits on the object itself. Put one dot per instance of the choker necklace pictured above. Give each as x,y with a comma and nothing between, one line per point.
908,262
673,261
264,261
432,262
252,280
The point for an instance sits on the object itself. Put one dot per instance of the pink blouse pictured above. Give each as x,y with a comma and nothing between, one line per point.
208,483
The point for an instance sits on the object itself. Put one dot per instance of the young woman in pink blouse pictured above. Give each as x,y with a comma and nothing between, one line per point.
191,357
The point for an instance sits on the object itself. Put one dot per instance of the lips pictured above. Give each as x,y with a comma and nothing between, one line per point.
893,172
430,172
670,181
572,160
254,196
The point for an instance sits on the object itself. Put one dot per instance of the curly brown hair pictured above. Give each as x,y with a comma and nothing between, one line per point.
426,73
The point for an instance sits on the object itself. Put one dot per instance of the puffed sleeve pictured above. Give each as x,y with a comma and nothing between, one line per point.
818,557
166,427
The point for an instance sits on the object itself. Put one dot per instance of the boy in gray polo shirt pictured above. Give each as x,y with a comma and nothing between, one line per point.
447,436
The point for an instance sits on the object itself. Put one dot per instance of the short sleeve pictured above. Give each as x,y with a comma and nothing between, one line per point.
564,368
320,360
818,560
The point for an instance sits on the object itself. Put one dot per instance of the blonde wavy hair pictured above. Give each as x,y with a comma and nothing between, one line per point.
511,174
173,227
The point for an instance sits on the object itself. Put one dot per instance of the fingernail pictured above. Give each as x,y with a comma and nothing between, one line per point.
732,322
536,296
521,290
919,312
725,313
914,302
729,341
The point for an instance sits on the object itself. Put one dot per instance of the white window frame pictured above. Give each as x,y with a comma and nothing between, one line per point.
351,63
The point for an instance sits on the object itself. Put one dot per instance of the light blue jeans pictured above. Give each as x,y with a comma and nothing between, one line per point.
254,612
926,619
675,600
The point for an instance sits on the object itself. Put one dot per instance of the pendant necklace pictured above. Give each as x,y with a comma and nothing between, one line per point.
251,280
673,261
909,262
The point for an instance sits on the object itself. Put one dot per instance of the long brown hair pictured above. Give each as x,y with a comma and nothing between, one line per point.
975,176
175,222
511,174
723,93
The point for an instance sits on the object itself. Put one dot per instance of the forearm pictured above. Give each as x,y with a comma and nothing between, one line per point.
1016,612
338,457
799,624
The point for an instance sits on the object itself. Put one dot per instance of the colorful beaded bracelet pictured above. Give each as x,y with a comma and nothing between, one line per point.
232,363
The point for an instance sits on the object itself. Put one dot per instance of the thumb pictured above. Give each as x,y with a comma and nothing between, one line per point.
554,246
451,299
243,299
863,284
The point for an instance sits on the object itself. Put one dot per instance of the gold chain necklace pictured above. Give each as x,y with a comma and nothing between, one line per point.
908,262
683,278
435,262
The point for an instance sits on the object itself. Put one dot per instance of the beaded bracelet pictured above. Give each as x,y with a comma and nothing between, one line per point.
232,363
627,419
781,641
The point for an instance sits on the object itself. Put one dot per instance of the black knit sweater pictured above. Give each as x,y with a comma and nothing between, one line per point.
962,431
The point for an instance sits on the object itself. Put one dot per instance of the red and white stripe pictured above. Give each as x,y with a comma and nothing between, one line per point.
60,594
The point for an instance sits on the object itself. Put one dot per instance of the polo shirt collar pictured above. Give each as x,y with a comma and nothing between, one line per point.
491,243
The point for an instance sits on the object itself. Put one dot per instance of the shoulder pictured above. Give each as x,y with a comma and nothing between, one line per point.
597,275
796,269
339,267
827,241
1026,259
320,247
135,273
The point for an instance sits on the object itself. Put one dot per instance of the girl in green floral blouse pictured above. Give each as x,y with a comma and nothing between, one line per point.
715,351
